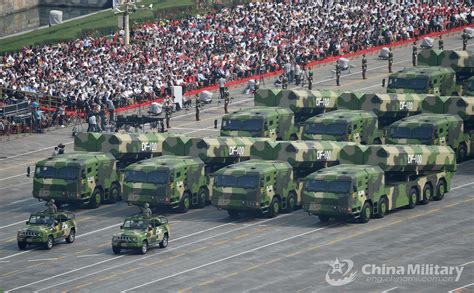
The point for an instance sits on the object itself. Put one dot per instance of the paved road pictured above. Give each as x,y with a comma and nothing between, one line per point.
209,252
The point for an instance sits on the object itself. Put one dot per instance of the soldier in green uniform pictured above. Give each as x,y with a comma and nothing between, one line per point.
390,60
198,105
146,211
310,80
226,100
284,83
414,53
168,116
52,208
338,73
364,67
441,43
464,40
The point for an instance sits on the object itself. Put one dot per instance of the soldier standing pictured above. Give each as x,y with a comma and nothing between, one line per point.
168,116
364,66
441,43
284,82
414,54
338,73
310,80
146,211
390,60
52,208
464,40
226,100
198,105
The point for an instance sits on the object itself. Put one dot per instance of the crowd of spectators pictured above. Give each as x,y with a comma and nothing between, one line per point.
233,43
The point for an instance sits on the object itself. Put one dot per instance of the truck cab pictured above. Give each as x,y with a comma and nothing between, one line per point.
434,80
344,125
175,181
77,178
255,186
272,122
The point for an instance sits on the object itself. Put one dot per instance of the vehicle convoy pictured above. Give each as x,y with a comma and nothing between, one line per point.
180,178
448,121
78,178
45,228
372,180
272,122
304,103
141,233
271,182
462,62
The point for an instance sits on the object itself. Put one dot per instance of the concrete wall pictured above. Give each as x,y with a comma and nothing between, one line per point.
11,6
19,21
77,3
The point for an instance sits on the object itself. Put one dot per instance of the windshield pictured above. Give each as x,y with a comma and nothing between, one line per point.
156,177
57,173
246,125
408,83
326,129
135,176
41,220
135,224
336,186
422,132
245,181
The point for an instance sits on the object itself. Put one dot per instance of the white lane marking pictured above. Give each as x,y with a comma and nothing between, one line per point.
19,253
43,259
12,224
98,230
21,200
193,129
227,258
468,263
132,261
461,186
32,152
12,186
4,261
90,255
388,290
465,286
14,176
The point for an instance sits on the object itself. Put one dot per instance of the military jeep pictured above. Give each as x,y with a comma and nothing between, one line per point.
45,228
140,233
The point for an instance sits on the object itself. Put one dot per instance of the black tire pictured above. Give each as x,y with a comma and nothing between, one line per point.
144,248
427,194
412,198
274,207
290,203
461,153
202,195
49,244
71,237
440,189
96,198
185,203
365,213
116,249
382,207
323,218
233,213
114,193
293,137
22,245
164,242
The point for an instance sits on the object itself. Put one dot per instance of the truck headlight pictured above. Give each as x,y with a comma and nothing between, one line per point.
115,238
134,238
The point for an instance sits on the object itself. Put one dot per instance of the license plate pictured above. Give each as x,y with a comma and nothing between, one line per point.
123,244
223,201
315,207
29,240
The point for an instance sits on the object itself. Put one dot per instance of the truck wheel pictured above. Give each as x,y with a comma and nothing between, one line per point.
144,248
274,208
461,153
290,203
96,198
365,213
233,213
323,218
164,242
114,193
71,237
427,194
49,244
202,198
440,189
116,249
412,198
185,203
22,245
382,207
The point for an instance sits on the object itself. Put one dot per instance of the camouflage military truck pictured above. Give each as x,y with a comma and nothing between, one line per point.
304,103
265,187
45,228
141,233
78,178
468,87
434,80
344,125
272,122
454,128
462,62
183,154
388,107
179,182
372,180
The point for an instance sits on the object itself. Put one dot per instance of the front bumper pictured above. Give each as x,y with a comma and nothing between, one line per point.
326,209
235,204
126,245
31,240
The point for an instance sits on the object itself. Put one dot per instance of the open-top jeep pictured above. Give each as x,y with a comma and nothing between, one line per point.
45,228
139,232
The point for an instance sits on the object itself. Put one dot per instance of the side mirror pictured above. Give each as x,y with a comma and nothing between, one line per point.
383,82
121,226
27,222
56,222
28,171
83,174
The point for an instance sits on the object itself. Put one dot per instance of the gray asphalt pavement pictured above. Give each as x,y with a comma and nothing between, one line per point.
209,252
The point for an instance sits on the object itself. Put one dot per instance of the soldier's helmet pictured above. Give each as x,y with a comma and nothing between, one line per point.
147,205
51,200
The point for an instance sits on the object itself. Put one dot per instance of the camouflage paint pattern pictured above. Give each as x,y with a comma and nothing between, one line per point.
271,122
94,171
462,62
274,179
461,106
304,103
185,175
129,238
468,87
434,80
352,125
